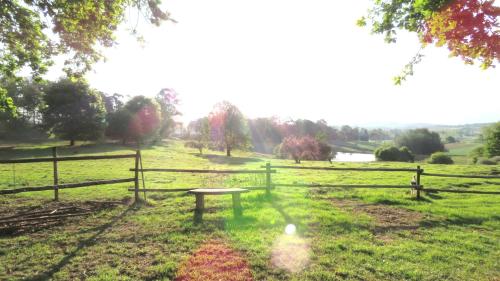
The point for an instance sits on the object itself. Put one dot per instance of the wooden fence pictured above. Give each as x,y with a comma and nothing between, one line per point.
56,186
268,170
417,185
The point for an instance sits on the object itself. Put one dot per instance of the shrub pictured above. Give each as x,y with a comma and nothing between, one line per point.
420,141
392,153
440,158
495,159
195,144
405,154
487,162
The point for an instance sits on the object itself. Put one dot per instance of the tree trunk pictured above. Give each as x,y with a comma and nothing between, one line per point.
228,151
72,142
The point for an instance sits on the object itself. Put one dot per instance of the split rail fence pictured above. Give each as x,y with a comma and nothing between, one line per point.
56,186
268,170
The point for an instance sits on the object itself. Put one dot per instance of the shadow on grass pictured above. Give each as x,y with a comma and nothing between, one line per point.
459,221
221,159
35,152
89,242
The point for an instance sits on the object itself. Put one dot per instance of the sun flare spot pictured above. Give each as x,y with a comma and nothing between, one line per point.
290,252
290,229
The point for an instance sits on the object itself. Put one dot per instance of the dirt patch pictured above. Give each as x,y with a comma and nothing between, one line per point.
33,219
212,262
388,220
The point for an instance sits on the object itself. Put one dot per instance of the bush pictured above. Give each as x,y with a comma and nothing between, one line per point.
195,144
440,158
392,153
495,159
420,141
487,162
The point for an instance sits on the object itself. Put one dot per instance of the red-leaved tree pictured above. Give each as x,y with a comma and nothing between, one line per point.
300,148
470,29
228,127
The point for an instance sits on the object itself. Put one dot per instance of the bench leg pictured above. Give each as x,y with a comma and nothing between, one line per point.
237,209
200,205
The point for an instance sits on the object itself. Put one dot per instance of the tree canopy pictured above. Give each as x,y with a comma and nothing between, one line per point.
33,32
74,111
420,141
228,127
469,28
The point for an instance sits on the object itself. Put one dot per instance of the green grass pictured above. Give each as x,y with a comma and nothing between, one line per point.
458,238
460,151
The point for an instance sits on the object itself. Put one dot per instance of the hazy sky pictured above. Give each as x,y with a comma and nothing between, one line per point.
294,59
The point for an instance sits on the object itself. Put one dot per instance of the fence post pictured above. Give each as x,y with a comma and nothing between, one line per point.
419,171
136,175
56,174
268,178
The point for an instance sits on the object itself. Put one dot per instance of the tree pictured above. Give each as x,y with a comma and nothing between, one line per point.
118,125
76,28
450,139
299,148
6,104
74,111
491,137
228,127
469,28
199,133
266,134
112,103
420,141
25,123
144,118
168,101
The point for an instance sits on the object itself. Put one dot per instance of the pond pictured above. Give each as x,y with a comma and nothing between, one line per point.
354,157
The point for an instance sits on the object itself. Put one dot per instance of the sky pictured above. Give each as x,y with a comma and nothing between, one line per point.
293,59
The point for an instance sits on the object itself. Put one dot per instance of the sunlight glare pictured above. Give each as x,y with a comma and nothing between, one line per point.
290,229
291,253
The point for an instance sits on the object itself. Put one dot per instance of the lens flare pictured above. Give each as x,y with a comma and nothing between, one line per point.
291,253
290,229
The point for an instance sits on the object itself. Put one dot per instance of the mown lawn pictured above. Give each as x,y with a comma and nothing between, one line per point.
341,234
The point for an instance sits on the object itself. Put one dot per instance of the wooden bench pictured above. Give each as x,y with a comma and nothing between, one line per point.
200,199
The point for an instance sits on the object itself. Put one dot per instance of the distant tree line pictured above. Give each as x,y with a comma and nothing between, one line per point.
69,109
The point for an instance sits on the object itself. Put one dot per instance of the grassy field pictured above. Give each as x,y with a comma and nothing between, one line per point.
460,151
341,234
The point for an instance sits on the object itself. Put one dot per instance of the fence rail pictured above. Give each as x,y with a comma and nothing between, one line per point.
350,185
66,158
348,169
461,176
63,186
268,171
56,186
205,171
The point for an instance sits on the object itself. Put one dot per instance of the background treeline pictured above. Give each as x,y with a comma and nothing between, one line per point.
70,109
